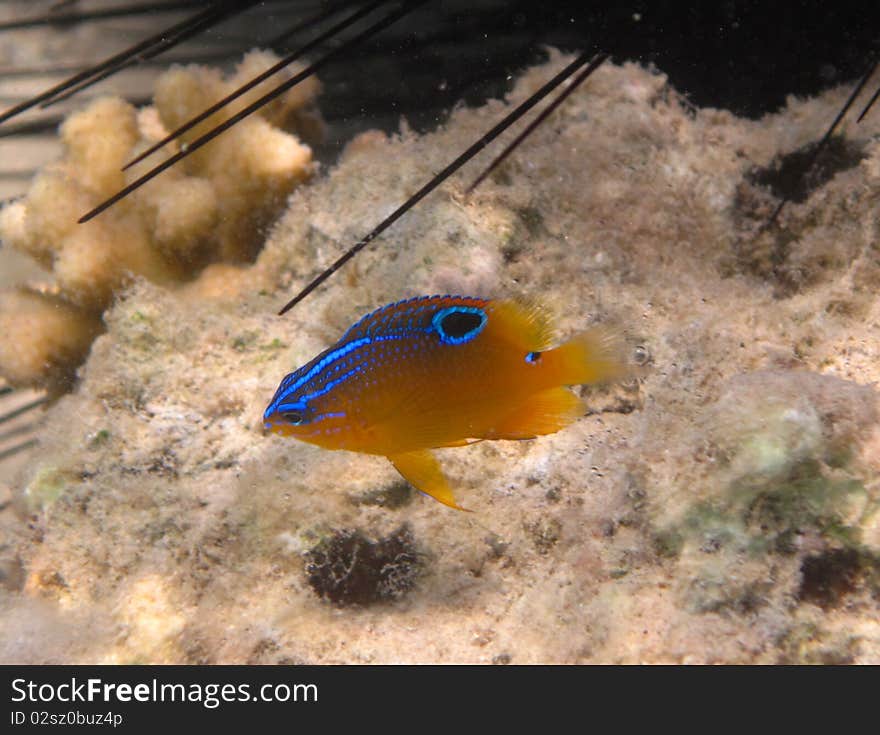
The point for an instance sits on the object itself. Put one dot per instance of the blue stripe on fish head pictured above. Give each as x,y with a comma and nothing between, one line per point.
315,379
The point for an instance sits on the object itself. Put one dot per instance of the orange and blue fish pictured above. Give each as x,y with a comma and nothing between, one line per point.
440,371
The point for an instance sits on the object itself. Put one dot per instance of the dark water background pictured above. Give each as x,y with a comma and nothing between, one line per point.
743,55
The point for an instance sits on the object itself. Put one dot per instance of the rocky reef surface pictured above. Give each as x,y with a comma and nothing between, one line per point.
722,506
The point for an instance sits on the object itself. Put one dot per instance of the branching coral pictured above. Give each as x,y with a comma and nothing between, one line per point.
212,207
42,335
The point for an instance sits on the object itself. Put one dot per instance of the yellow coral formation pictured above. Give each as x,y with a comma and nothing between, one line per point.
42,335
98,141
212,207
222,282
252,167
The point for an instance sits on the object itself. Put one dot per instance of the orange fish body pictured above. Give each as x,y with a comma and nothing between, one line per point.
439,371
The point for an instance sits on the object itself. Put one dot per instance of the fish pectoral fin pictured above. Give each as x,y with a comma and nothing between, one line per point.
423,471
543,413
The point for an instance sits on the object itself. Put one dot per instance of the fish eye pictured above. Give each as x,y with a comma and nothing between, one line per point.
294,417
459,324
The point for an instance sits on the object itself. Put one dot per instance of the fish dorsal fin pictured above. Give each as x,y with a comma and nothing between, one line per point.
525,323
408,316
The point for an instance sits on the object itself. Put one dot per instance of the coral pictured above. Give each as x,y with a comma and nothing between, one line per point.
212,207
43,335
721,507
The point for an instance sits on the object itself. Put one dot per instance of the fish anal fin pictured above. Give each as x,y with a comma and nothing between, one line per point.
422,470
545,412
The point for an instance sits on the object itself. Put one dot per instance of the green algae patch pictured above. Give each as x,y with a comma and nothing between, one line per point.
769,516
778,505
98,439
809,499
47,485
779,444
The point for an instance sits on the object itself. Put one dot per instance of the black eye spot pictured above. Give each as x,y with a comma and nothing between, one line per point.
294,417
458,323
533,357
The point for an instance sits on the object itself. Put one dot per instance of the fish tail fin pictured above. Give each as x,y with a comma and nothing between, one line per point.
593,356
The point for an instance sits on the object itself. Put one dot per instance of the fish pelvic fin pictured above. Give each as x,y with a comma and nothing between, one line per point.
593,356
545,412
423,472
